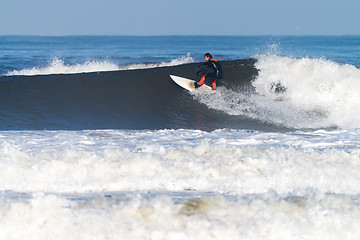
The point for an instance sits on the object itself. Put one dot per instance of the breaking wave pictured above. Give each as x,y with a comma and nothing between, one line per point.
269,93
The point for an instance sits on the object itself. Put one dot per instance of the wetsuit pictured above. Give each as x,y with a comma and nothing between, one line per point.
212,71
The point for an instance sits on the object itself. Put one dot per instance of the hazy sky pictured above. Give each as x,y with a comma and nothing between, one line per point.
179,17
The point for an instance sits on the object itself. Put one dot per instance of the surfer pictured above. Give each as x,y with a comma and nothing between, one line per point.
211,70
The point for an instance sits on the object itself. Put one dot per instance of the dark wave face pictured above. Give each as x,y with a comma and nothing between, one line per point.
131,99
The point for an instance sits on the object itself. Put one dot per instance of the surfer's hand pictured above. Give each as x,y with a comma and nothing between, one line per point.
196,85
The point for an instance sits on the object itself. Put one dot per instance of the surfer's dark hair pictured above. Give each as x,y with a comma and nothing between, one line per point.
208,55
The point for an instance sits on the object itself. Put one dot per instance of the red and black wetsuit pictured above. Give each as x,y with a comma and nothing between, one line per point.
212,71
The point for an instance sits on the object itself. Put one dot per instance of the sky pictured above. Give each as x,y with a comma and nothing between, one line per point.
179,17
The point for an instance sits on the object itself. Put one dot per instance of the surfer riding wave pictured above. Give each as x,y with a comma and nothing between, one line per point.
211,71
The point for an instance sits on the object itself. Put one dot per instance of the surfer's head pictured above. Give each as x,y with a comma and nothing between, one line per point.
207,56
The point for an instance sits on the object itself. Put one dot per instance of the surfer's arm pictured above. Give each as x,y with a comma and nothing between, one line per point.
202,69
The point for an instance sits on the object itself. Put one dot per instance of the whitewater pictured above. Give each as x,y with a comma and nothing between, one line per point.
174,184
272,154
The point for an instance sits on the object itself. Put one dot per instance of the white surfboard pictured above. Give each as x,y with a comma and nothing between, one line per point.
188,84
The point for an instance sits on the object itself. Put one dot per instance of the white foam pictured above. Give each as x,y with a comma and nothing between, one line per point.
222,161
58,66
179,184
318,93
313,85
262,216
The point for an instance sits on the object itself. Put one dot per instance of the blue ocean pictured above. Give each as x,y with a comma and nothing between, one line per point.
98,142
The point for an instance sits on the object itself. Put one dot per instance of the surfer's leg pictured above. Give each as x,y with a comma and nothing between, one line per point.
202,80
214,84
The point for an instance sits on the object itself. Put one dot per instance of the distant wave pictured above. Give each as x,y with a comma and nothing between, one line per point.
58,66
179,61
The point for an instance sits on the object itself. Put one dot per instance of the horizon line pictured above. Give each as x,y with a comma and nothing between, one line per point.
178,35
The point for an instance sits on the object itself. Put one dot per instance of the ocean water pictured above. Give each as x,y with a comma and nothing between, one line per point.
97,142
